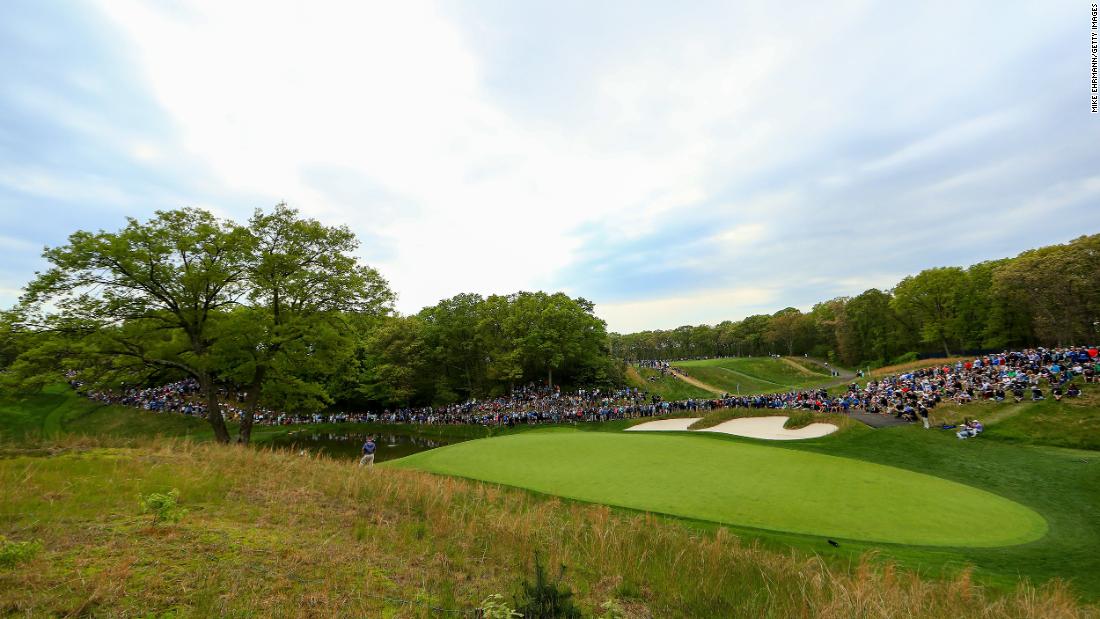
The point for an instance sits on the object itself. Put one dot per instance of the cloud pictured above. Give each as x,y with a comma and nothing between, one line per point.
632,153
708,307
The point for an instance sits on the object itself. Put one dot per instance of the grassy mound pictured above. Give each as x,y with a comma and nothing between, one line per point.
273,534
750,375
742,484
670,388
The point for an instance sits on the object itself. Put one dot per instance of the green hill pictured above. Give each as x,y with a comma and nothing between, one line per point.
670,388
752,375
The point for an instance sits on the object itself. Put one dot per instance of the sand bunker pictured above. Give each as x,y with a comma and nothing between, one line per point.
768,428
665,425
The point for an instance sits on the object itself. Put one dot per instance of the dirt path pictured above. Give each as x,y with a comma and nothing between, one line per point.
697,383
801,368
844,378
756,379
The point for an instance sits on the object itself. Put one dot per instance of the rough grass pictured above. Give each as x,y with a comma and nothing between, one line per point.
670,388
1073,422
1058,483
42,417
807,366
271,534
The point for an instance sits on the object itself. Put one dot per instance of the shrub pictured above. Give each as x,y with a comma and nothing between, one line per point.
612,609
164,506
494,607
14,553
543,599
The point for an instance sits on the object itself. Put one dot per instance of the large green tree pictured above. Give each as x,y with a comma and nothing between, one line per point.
303,283
259,307
144,298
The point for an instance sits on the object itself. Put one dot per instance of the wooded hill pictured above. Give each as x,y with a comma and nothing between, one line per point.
1048,296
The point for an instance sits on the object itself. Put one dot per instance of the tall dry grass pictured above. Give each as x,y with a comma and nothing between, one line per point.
277,534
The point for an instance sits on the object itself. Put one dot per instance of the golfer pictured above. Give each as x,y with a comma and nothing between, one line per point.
368,453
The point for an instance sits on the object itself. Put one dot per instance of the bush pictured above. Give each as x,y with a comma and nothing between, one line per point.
494,607
14,553
164,506
543,599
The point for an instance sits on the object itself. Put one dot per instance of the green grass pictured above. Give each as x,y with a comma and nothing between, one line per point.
1072,423
670,388
273,534
58,411
83,514
751,375
742,484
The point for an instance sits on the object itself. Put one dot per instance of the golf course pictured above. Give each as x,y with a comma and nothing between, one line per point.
704,378
742,484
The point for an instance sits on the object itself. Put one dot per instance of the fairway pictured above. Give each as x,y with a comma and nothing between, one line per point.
743,484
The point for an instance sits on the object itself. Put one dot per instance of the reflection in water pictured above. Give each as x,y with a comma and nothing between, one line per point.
348,445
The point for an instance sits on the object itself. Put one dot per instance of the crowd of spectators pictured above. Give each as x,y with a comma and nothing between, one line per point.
1027,374
664,367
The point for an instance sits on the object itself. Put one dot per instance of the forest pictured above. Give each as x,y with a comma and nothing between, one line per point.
1048,296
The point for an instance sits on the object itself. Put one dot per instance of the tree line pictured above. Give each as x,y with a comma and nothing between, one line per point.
281,312
1045,296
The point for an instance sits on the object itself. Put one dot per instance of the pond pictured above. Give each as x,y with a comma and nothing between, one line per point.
391,445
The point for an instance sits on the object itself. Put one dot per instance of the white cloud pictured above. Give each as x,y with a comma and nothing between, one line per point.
394,92
710,307
747,123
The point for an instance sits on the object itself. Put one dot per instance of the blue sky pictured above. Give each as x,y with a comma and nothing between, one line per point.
673,164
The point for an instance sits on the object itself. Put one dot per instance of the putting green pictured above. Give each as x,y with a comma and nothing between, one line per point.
742,484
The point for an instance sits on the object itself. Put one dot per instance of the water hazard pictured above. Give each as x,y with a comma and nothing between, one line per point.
390,445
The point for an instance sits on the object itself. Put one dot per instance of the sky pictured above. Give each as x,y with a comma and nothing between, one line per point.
674,163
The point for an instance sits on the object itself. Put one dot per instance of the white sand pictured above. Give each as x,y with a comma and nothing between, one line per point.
768,428
664,425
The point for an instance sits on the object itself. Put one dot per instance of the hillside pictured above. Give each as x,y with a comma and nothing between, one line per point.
752,375
397,542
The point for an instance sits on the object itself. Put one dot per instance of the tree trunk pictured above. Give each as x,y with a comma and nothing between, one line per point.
550,377
945,348
214,410
244,433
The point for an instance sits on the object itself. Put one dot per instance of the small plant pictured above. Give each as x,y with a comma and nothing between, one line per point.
543,599
14,553
494,607
164,506
612,609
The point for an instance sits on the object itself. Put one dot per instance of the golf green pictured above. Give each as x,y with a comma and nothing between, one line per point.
742,484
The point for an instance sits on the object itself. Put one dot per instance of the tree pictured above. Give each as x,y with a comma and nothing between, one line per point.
145,298
303,282
929,303
1059,286
451,329
263,307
